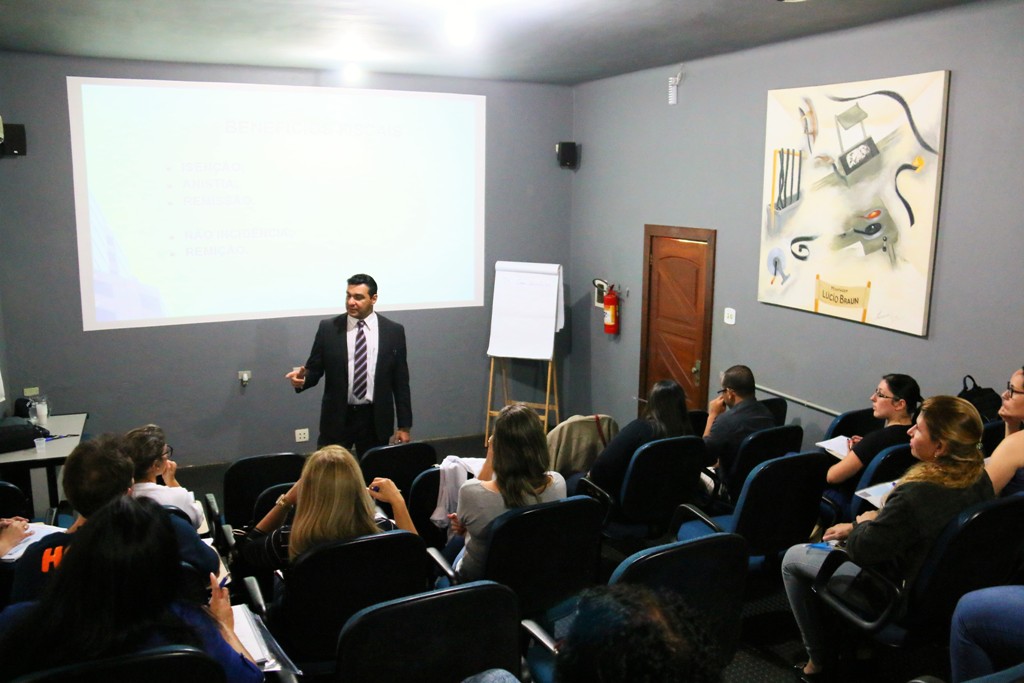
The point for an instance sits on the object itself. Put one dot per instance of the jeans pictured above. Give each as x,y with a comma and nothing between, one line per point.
987,633
799,567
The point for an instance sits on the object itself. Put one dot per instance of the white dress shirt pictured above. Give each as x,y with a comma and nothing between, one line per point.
372,333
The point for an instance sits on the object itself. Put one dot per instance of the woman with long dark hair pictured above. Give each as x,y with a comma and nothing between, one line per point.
116,592
664,416
514,475
896,399
949,478
151,456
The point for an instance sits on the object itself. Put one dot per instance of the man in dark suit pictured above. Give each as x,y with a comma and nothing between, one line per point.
363,359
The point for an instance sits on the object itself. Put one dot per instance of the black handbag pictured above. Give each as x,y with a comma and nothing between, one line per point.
17,434
985,399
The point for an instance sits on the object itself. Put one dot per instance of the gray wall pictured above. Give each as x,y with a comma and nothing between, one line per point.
699,164
696,164
185,377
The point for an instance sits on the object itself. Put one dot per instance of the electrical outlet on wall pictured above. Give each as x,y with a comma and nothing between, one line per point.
301,435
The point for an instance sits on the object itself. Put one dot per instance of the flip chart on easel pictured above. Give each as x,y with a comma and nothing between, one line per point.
527,310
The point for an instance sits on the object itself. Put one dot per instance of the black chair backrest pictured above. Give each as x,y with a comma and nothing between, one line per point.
246,478
779,407
709,573
422,501
992,435
698,420
759,447
546,553
445,635
888,465
980,548
401,463
328,584
13,502
780,501
167,664
854,423
268,499
661,476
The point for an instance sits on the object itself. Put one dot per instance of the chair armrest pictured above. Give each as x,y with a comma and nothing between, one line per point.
281,676
687,512
586,487
832,505
833,561
442,564
538,633
51,516
716,491
229,538
256,601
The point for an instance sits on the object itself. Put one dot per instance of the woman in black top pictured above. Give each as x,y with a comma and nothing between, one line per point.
896,400
665,416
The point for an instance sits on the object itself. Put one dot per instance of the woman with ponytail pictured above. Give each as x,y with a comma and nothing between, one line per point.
896,399
950,477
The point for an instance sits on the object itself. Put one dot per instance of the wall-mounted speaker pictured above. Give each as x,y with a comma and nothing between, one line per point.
14,140
568,154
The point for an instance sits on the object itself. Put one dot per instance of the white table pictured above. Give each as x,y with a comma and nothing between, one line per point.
57,451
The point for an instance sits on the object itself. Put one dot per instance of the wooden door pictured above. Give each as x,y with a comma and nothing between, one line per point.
675,341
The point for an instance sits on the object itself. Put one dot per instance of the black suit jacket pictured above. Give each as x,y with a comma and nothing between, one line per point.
329,359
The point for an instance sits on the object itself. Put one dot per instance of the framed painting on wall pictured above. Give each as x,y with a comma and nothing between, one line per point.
852,178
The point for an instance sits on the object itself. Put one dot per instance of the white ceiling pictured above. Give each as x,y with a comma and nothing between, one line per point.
549,41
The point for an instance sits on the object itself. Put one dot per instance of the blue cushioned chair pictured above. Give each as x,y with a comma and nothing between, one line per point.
981,547
777,507
758,447
854,423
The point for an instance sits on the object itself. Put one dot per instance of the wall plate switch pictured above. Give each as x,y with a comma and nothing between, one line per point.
301,435
730,316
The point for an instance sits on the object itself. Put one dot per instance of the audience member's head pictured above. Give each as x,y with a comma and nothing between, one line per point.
1012,409
904,388
97,471
520,454
113,589
740,379
628,633
145,445
332,501
666,409
947,440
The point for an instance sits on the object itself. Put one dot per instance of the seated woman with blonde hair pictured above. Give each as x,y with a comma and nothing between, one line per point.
896,539
331,502
514,475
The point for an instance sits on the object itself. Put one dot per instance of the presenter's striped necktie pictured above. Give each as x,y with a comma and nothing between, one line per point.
359,370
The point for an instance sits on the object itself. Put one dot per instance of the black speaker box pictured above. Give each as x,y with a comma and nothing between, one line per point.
14,141
568,154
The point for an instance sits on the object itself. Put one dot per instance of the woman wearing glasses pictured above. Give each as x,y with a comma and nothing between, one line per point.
896,400
147,447
1006,466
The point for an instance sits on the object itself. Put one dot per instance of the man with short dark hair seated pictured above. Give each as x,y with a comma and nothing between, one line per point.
733,416
96,472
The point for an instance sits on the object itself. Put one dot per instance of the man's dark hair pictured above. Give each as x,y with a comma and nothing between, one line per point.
740,379
629,633
364,279
97,472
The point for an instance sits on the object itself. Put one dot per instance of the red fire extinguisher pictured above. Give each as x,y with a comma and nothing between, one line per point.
611,311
